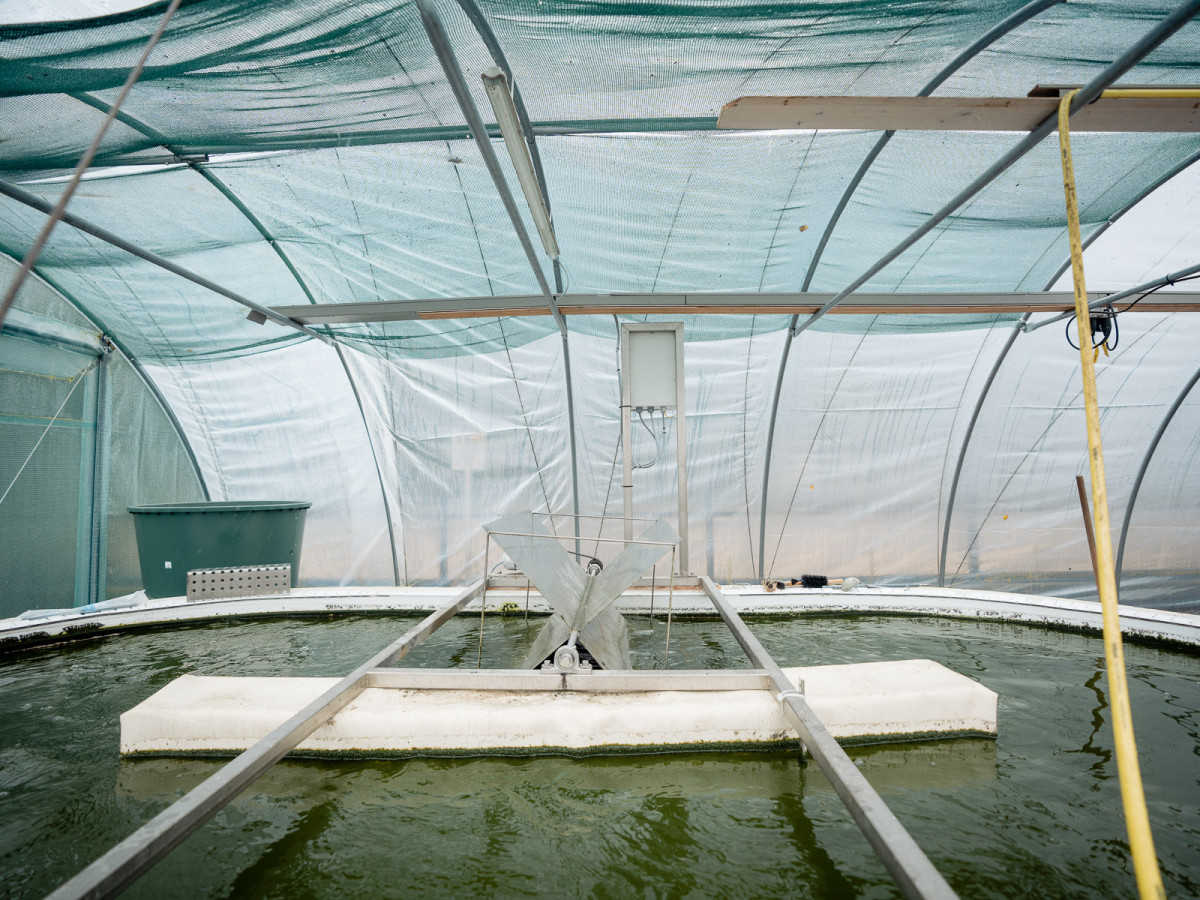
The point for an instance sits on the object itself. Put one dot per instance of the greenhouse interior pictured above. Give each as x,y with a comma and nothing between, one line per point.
569,324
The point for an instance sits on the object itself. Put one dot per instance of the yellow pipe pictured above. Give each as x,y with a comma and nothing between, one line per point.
1137,819
1148,93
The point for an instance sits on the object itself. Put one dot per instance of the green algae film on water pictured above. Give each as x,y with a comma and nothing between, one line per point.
1035,813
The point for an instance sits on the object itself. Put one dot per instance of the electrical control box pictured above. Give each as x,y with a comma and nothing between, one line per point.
652,369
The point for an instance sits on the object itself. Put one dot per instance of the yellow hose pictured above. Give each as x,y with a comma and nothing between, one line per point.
1137,818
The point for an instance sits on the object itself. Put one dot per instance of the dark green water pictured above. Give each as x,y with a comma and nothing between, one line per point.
1035,813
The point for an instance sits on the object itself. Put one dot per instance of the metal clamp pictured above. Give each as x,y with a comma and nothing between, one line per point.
783,695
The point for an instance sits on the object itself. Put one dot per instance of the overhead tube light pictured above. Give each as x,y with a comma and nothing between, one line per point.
496,85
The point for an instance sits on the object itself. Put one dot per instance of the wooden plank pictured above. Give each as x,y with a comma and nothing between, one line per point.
1173,114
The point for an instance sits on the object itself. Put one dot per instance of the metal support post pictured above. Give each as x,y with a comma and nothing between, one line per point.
101,467
904,859
626,443
124,863
681,449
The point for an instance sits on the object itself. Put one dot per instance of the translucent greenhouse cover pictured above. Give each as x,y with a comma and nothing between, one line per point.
300,152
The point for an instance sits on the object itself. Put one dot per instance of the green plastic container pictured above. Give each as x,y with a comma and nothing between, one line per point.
174,538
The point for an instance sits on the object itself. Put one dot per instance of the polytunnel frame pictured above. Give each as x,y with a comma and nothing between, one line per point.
992,35
198,166
1023,326
107,343
479,21
439,40
1091,91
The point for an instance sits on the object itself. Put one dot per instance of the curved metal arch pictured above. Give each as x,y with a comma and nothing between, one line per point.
1023,326
1104,226
266,235
436,32
1020,17
1137,482
99,325
987,39
962,453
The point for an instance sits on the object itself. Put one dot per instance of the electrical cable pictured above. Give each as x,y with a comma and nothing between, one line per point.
657,444
1104,320
1104,323
1159,287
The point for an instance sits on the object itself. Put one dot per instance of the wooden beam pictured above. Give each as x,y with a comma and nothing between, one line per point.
1138,114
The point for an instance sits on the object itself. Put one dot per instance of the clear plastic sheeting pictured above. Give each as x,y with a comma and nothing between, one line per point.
300,152
65,533
286,426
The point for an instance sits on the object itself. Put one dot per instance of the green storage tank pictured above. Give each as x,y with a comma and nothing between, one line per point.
174,538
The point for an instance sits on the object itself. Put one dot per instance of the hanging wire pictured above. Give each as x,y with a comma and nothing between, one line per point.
1104,324
1104,319
78,379
1159,287
658,443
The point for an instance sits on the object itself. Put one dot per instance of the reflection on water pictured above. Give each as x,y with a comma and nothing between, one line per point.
1035,813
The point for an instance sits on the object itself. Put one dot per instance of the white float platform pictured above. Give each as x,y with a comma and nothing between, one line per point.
861,703
137,611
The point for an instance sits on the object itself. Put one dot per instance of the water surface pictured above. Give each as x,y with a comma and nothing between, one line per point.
1035,813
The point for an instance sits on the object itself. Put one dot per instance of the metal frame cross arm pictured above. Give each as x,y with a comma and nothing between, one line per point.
1021,16
126,862
34,202
904,859
85,161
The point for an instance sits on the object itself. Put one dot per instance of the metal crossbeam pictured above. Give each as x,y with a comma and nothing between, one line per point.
124,863
593,682
905,861
796,302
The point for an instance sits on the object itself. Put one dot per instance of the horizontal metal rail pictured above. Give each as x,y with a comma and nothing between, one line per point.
572,538
596,682
1154,305
783,303
904,859
124,863
567,515
49,333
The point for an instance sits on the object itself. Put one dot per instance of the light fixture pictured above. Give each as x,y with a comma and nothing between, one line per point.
496,85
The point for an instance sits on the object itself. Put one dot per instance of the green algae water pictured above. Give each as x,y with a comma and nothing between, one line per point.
1035,813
